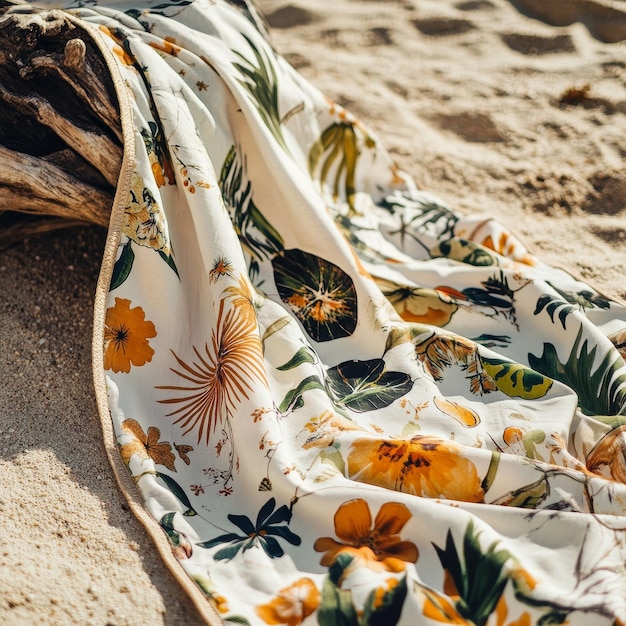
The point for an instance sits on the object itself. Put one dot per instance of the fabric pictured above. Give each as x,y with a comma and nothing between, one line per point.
341,401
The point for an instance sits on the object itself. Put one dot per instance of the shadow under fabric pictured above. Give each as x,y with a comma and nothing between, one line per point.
340,401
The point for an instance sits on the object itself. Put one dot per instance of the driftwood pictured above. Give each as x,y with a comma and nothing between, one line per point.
60,133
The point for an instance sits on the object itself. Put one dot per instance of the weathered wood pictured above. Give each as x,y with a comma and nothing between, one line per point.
60,134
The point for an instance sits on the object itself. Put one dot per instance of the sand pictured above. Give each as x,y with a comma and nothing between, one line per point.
498,113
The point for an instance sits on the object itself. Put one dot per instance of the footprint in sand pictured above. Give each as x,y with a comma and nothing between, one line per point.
442,26
609,195
603,19
538,45
475,5
615,236
472,126
380,36
289,16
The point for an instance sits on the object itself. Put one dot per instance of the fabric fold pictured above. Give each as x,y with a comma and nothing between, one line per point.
340,400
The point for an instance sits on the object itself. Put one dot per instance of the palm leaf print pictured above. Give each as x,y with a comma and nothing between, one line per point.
255,233
601,388
262,85
223,373
338,147
321,295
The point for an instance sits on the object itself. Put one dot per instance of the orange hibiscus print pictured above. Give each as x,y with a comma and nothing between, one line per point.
146,446
126,334
380,546
292,605
424,466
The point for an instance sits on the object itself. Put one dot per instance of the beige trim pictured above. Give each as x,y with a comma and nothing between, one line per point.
203,605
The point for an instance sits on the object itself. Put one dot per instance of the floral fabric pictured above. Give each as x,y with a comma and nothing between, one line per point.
342,401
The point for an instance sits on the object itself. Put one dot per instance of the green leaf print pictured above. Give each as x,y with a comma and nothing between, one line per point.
601,388
365,385
293,398
336,607
338,147
477,576
262,85
320,294
170,261
301,356
178,491
384,606
256,234
122,267
515,380
178,541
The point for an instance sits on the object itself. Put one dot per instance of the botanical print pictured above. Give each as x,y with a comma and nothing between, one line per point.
292,605
146,446
455,457
224,371
423,466
126,335
379,546
271,523
321,295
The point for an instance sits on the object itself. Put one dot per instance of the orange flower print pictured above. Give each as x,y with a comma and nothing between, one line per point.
380,546
126,334
292,605
146,446
424,466
610,452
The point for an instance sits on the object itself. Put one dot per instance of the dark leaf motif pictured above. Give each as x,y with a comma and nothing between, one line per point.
258,237
176,539
236,619
170,261
320,294
552,304
478,575
385,611
262,534
365,385
178,491
601,387
122,267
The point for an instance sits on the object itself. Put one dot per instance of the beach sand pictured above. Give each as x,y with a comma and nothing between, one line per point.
498,113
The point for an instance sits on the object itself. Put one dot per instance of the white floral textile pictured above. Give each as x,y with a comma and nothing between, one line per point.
342,401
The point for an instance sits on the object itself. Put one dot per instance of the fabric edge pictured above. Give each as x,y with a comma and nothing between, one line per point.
205,609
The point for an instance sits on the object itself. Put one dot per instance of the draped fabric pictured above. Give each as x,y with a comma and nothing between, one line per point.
341,401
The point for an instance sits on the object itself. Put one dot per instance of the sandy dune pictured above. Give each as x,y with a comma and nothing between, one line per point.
509,109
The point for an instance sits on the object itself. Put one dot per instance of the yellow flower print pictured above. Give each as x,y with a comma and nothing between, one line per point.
424,465
146,446
126,334
292,605
380,546
144,221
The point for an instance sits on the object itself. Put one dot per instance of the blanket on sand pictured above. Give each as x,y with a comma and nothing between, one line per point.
341,401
